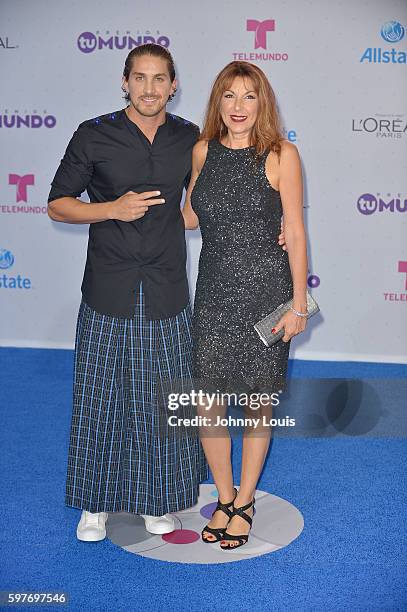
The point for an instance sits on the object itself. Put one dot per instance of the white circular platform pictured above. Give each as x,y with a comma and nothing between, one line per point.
276,524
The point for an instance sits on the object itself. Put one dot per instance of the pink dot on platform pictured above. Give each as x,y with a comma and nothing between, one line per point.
181,536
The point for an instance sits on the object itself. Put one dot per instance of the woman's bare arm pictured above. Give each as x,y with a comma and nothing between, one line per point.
199,153
291,191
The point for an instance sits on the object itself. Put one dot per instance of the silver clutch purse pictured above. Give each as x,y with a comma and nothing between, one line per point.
264,326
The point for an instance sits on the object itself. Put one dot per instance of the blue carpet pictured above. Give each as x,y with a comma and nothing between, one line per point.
350,490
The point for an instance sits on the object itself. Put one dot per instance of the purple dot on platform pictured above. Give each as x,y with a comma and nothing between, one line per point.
181,536
208,510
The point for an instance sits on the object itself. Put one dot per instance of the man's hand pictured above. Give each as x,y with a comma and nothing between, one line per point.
281,237
132,205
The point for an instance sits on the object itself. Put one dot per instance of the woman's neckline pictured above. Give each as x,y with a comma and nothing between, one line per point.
231,149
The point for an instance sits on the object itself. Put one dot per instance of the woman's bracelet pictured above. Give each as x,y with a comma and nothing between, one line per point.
299,314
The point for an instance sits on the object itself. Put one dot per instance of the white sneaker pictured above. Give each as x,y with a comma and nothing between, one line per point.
91,527
159,524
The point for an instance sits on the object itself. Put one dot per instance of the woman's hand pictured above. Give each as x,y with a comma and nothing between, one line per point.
292,323
281,237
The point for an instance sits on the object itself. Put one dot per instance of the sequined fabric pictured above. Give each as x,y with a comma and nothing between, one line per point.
243,273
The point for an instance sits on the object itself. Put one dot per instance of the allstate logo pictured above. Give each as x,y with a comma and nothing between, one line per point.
6,259
87,42
392,31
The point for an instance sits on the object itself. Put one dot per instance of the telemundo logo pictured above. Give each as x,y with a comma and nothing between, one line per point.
392,32
11,282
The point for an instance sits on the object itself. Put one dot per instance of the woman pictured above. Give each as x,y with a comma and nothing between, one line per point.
244,177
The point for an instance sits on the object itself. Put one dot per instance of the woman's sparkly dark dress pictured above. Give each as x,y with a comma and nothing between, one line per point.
243,273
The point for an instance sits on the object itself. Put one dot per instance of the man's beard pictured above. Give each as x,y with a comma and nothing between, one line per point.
149,112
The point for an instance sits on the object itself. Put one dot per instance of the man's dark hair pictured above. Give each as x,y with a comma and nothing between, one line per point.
149,49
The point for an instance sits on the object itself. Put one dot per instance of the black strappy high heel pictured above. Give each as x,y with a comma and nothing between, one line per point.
218,531
242,539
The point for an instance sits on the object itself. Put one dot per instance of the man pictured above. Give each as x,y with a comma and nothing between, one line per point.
132,337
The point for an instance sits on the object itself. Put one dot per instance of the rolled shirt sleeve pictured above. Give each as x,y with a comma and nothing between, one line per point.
76,167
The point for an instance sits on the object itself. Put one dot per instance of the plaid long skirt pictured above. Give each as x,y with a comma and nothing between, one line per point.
123,456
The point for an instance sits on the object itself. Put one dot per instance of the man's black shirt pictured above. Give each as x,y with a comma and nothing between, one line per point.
109,156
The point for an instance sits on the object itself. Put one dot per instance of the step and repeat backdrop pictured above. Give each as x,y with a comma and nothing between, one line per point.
339,72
